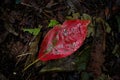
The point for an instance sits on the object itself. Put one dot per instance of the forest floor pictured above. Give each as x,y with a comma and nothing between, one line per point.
24,23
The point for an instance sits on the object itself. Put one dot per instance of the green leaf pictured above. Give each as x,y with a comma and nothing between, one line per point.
34,31
53,23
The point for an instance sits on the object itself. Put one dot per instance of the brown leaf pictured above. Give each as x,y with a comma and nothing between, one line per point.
97,56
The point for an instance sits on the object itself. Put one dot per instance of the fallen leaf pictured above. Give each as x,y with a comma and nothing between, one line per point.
68,38
34,31
53,23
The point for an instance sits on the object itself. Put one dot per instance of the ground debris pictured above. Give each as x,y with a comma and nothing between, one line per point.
98,49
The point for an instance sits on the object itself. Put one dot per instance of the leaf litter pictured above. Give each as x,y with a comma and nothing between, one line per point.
19,49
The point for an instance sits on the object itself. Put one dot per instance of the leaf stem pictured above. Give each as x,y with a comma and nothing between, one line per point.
30,65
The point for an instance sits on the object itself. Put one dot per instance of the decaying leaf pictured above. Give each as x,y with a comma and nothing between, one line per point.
91,26
85,76
97,56
82,60
77,62
86,17
116,50
74,16
108,28
118,21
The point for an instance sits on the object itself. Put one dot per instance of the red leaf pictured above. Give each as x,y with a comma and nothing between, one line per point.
62,41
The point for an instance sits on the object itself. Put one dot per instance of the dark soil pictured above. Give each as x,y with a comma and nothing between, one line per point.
19,14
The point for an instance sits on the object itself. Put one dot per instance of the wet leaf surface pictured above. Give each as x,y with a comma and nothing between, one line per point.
61,41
